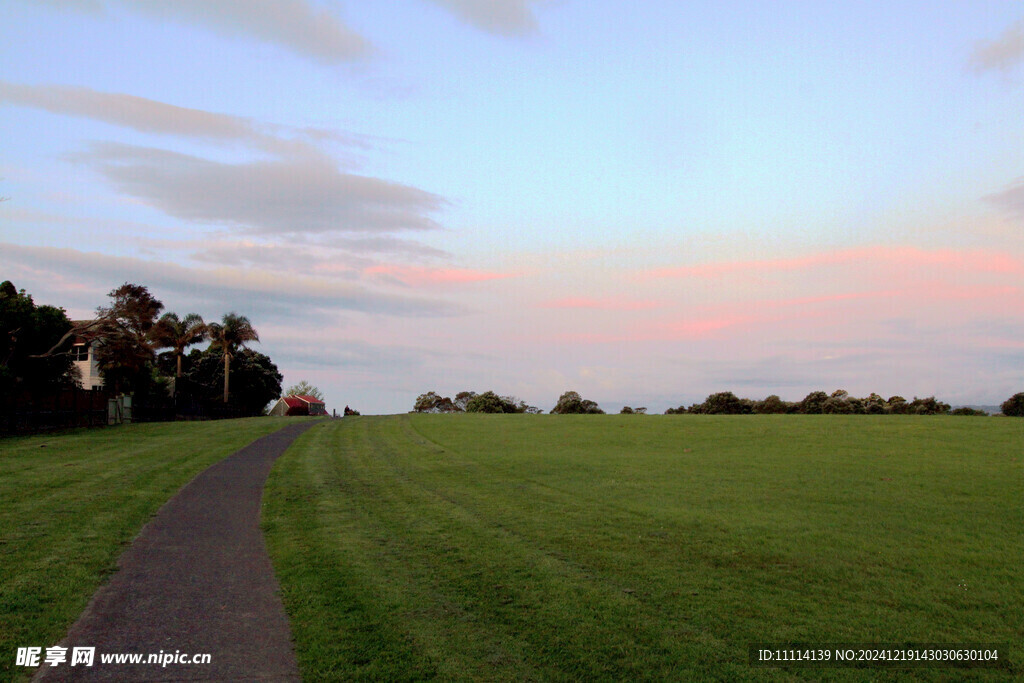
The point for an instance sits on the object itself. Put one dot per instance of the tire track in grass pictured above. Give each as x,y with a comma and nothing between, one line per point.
422,560
343,630
589,612
638,605
790,596
720,578
438,620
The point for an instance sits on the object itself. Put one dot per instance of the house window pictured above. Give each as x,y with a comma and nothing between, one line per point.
80,352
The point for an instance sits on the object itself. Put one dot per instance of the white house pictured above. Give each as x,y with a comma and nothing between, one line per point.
83,353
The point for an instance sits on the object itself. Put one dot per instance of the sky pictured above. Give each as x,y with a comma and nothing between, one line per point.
643,202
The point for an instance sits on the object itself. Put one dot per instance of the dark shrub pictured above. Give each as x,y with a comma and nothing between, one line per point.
1014,406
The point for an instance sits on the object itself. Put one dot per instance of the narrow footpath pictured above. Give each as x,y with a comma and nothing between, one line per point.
197,580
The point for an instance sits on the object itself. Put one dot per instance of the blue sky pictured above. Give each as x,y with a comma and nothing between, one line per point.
645,203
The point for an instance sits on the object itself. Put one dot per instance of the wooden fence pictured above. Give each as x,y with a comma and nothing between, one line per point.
28,412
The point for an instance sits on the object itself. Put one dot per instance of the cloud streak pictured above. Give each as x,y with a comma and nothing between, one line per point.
1001,54
505,17
418,276
605,304
977,260
295,25
302,191
139,113
301,27
1010,200
150,116
292,296
282,197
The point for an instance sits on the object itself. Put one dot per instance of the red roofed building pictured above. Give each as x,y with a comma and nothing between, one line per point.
299,405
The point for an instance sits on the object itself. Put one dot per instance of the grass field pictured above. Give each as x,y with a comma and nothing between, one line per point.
644,547
71,502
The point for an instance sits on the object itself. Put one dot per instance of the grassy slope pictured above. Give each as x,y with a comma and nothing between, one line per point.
628,547
72,501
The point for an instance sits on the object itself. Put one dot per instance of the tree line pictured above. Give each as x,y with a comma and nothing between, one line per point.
839,402
128,334
471,402
490,402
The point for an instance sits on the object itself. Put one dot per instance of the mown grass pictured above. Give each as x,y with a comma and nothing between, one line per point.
644,548
72,501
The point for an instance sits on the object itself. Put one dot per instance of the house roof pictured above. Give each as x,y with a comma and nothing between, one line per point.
299,400
292,402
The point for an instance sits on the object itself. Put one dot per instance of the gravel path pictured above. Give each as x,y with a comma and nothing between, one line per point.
196,580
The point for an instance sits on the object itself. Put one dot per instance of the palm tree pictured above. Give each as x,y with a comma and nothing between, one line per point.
170,332
230,334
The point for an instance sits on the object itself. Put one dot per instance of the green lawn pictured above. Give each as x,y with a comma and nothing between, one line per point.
71,502
644,547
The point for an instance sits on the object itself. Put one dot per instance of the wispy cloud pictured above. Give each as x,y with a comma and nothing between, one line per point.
302,27
302,191
982,260
419,276
130,111
279,257
296,25
386,244
603,304
336,346
1010,200
1003,53
287,196
678,328
339,257
508,17
287,297
849,314
151,116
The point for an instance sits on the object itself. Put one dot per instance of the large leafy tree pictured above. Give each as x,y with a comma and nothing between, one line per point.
572,403
34,342
463,398
722,403
229,335
431,402
125,328
255,378
773,405
490,402
813,403
1014,406
178,334
928,406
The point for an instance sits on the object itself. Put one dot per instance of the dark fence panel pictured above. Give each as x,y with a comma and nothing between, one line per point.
31,412
27,412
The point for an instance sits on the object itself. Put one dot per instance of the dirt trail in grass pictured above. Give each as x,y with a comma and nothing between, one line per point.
197,580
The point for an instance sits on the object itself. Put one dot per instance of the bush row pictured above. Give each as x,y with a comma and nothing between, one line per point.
839,402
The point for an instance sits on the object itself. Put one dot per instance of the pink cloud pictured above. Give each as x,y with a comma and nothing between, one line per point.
700,328
804,301
974,260
708,322
841,314
606,304
418,276
689,328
